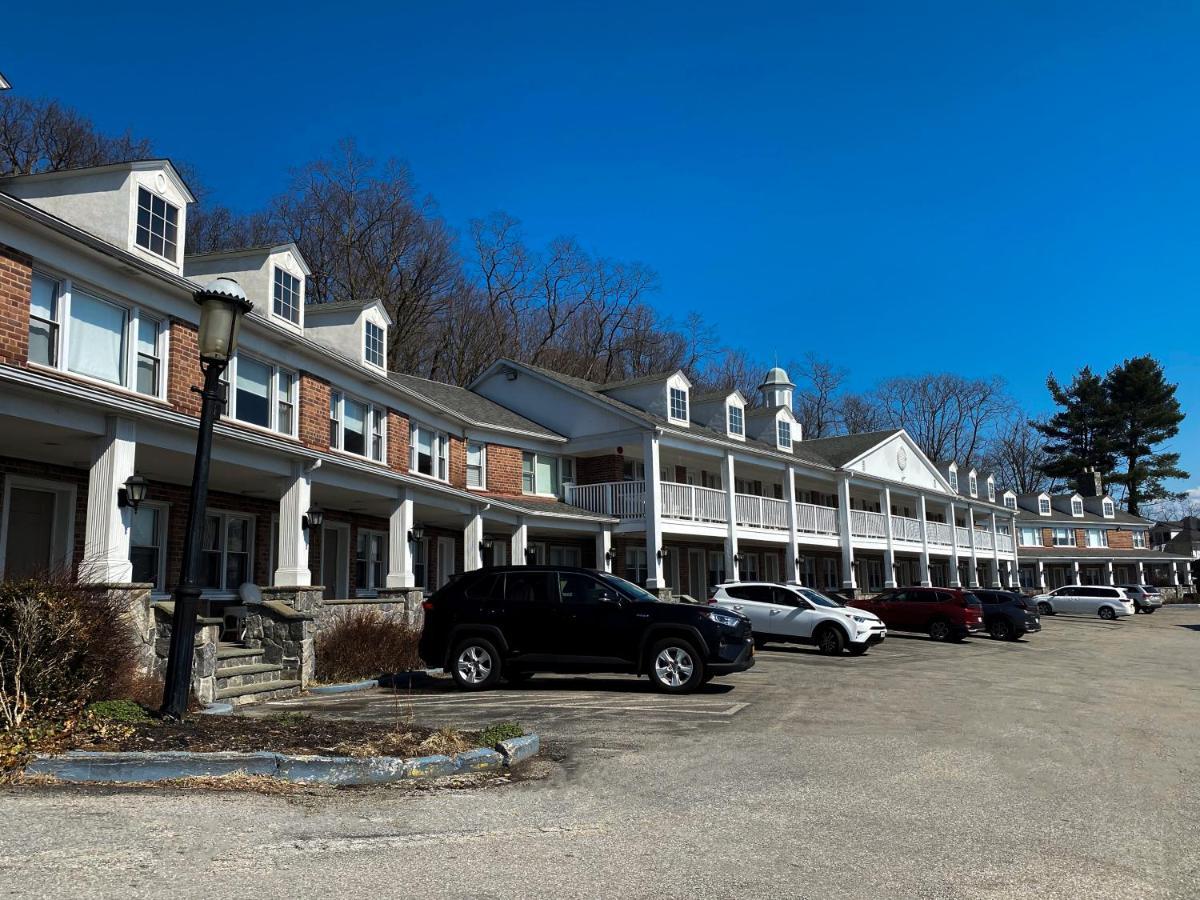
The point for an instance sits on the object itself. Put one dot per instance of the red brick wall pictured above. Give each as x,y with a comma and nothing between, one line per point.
598,469
458,462
16,283
1120,540
77,477
314,412
503,470
398,441
183,368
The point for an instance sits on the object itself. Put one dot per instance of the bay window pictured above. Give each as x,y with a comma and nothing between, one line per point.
476,465
357,427
539,474
430,453
370,561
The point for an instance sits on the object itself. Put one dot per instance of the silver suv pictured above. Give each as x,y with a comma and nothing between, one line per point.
1146,598
791,613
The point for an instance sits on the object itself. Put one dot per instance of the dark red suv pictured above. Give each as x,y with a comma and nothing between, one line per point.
945,614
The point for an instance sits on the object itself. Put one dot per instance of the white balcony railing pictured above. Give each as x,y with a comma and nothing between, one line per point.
760,512
867,524
906,529
692,503
939,533
983,539
621,499
1004,543
813,519
962,537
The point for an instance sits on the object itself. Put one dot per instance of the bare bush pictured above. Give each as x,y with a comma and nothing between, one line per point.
364,643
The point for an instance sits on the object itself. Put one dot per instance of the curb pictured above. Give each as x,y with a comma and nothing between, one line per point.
217,709
393,680
345,688
337,771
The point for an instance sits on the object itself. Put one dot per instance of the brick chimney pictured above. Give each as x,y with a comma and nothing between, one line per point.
1090,483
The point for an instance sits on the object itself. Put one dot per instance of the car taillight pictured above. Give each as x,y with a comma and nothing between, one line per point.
427,605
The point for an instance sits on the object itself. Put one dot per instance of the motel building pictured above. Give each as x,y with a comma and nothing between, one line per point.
337,481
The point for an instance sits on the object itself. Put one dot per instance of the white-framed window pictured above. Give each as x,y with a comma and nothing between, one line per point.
1064,537
678,408
147,544
373,344
1076,506
157,225
566,466
1139,540
43,320
1031,537
737,420
1097,537
636,564
954,480
287,297
227,551
476,465
420,562
1010,501
357,427
370,560
783,434
430,453
1043,506
1109,510
991,490
263,394
539,474
973,484
98,332
633,470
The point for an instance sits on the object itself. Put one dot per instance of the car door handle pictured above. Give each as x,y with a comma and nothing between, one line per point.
776,612
738,608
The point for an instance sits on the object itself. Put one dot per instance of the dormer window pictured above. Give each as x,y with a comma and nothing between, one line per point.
973,484
1109,510
1043,505
287,296
373,344
1010,501
679,404
783,434
157,225
991,489
954,480
1076,506
737,421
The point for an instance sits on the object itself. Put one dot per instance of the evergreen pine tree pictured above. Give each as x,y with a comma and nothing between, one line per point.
1143,412
1077,436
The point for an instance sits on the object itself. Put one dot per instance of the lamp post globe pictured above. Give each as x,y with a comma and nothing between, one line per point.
222,305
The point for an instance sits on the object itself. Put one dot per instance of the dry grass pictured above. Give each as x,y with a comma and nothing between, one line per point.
364,643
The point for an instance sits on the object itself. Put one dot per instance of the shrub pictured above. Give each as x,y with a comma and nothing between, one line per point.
62,645
117,711
364,643
501,731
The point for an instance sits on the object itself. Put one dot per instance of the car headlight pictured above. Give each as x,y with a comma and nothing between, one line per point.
861,619
723,618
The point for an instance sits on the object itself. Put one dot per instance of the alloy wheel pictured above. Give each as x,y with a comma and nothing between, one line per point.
474,664
674,666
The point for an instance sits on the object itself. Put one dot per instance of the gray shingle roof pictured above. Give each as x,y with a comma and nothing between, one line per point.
547,506
1096,553
470,406
1058,517
311,307
837,451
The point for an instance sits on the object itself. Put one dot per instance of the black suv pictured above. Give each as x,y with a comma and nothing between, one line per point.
511,621
1006,614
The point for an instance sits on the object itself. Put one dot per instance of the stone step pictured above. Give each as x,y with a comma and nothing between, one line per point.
252,693
237,651
235,676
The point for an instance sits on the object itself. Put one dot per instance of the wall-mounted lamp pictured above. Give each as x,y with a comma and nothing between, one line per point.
610,555
737,558
416,534
314,518
486,544
663,553
530,553
133,493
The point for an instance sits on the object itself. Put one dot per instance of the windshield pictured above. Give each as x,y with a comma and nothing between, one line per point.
818,598
629,589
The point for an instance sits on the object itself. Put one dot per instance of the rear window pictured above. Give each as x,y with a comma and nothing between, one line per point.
530,587
971,599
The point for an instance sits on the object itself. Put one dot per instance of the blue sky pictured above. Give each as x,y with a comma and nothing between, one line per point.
982,188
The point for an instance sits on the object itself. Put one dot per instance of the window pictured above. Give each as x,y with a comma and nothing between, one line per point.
287,296
373,344
567,466
580,590
157,225
1139,540
737,420
783,434
429,453
1031,537
263,394
991,489
335,420
146,380
973,485
357,427
1010,501
476,464
146,544
1076,506
354,427
1096,537
1044,506
632,470
378,433
635,565
370,560
285,402
1064,537
226,551
954,479
420,557
43,320
1107,507
539,474
97,346
679,404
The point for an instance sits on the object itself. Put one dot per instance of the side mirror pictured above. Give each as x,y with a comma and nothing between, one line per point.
610,599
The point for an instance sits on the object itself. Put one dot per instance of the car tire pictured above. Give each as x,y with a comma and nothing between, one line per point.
857,649
675,667
1001,630
830,641
940,630
1107,613
1149,610
475,664
1045,609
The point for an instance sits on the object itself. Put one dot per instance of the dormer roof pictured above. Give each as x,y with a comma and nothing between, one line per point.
337,306
133,165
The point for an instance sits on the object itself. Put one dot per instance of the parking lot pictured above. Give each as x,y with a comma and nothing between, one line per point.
1061,766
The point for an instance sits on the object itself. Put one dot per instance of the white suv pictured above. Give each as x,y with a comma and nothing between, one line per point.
1146,598
1088,599
794,614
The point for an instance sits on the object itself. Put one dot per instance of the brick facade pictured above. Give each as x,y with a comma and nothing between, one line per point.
314,412
398,438
599,469
503,470
16,285
183,368
1119,539
458,462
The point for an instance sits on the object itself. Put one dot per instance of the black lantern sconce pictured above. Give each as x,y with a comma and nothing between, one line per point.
663,553
610,555
416,534
486,545
133,492
313,519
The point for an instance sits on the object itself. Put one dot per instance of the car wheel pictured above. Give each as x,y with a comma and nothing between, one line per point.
675,666
1107,612
1045,609
858,649
939,630
475,664
1149,610
831,641
1001,630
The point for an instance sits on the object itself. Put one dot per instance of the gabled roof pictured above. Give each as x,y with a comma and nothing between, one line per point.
4,85
252,250
845,448
320,309
710,396
643,379
467,405
129,165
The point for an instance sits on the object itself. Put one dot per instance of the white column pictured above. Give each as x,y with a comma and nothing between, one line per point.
731,535
654,566
848,580
520,543
1014,571
603,546
400,549
973,577
889,553
1041,575
955,580
996,582
1108,572
791,560
926,581
1141,572
291,554
1075,572
106,534
1174,574
472,538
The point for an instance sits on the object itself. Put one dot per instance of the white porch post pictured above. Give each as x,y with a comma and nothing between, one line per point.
848,581
889,553
1174,574
1141,572
955,578
520,543
926,581
1041,575
291,554
106,534
1075,572
996,582
654,566
1014,572
1108,572
731,535
973,577
472,538
792,560
603,546
400,550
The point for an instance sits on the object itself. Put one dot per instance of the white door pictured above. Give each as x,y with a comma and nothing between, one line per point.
445,560
1066,600
755,602
790,615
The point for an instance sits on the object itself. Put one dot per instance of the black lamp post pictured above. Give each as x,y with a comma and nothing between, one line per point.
222,305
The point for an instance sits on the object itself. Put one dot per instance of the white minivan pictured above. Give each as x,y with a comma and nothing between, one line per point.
790,613
1086,599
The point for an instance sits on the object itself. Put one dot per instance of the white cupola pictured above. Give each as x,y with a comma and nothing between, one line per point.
776,389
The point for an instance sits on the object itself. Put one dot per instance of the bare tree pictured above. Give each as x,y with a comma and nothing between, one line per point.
1015,454
949,416
45,136
859,414
817,397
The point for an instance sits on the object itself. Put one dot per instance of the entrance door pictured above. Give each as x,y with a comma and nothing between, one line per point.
445,560
335,565
29,549
697,576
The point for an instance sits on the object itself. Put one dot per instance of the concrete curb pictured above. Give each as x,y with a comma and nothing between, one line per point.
92,766
394,680
217,709
345,688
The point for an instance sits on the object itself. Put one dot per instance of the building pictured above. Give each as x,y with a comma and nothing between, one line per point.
1181,538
